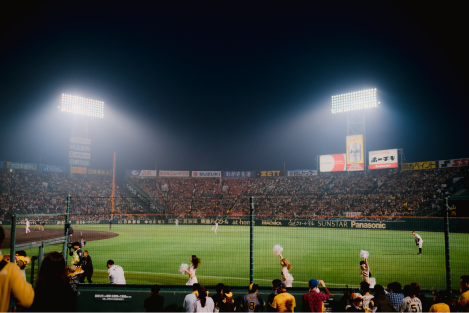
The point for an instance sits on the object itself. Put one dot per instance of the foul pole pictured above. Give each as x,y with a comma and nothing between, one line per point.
113,183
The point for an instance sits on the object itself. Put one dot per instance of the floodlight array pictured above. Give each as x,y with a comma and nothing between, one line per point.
82,106
357,100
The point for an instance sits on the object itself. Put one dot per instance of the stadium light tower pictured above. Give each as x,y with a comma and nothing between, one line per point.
355,104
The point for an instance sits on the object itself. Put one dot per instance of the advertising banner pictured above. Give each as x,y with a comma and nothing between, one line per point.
353,214
332,163
303,173
382,159
52,168
453,163
146,173
79,155
83,141
355,159
78,170
22,166
206,174
270,173
80,162
238,174
174,173
418,166
81,148
90,171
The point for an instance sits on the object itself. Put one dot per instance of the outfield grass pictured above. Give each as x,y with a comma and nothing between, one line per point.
153,253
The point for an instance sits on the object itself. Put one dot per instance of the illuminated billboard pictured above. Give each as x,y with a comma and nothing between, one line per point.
382,159
332,163
355,160
353,101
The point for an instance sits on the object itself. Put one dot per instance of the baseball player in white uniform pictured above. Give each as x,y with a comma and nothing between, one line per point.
418,241
115,273
176,222
215,227
27,226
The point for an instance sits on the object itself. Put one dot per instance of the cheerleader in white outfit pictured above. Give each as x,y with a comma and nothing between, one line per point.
287,278
195,261
365,273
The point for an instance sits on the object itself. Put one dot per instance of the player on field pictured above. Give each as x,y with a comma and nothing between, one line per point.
27,226
195,261
115,273
38,225
215,227
176,222
411,303
418,241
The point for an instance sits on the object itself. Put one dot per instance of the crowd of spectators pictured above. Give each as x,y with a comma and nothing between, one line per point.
30,192
384,196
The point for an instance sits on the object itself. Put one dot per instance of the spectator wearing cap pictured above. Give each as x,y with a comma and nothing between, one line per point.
313,301
227,302
380,302
357,304
270,300
440,298
283,301
395,294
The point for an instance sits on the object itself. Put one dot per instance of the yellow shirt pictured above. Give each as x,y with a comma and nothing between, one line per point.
439,307
463,302
284,302
13,284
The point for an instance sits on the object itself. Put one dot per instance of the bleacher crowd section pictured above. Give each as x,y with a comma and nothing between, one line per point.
384,196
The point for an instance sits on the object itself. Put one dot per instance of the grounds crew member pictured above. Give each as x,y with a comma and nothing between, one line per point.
12,283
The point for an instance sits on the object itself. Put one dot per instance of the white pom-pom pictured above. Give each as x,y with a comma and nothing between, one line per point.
277,249
364,254
183,268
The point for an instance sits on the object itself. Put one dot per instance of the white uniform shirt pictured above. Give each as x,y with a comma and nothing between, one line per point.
420,241
116,275
27,224
189,302
209,305
409,304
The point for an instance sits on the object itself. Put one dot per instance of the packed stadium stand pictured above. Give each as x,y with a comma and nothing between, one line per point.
384,196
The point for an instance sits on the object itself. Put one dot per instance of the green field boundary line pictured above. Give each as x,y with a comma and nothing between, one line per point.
221,277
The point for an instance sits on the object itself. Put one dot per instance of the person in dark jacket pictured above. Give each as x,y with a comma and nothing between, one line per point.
381,302
87,267
53,292
155,302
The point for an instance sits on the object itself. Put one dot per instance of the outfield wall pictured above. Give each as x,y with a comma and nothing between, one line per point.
457,225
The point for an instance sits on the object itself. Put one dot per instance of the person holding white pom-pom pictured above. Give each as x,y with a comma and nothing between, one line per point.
195,261
366,274
287,278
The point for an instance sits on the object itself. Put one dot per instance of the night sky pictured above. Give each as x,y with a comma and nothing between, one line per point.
231,85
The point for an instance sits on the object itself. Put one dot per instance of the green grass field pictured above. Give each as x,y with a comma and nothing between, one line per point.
153,253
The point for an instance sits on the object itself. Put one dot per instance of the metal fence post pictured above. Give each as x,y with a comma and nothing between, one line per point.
41,257
251,252
13,238
67,220
447,252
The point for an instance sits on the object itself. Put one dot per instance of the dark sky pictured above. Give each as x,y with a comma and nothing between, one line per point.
231,85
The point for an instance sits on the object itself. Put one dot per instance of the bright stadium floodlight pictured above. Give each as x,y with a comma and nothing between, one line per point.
82,106
353,101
